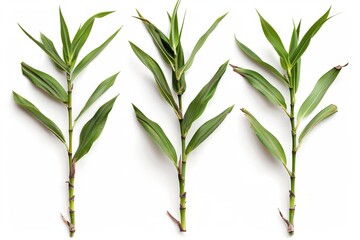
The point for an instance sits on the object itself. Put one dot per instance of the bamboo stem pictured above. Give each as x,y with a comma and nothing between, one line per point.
72,162
182,174
293,161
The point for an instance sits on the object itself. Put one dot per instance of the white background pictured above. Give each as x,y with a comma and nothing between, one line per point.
125,185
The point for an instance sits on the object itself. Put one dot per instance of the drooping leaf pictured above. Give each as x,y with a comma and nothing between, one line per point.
92,55
82,34
174,28
263,86
295,71
206,130
322,115
198,105
65,37
266,138
305,41
179,86
198,45
159,77
258,60
35,112
49,51
318,92
99,91
157,135
274,39
92,129
45,82
161,41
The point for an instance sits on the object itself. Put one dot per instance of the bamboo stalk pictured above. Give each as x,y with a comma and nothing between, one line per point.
182,174
72,162
293,161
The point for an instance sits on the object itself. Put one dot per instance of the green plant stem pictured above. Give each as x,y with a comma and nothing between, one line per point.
182,174
72,162
293,155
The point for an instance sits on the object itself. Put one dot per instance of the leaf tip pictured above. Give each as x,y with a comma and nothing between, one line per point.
231,107
233,66
339,67
134,106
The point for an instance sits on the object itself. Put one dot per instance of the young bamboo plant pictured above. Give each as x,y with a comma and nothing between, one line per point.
290,76
54,89
171,50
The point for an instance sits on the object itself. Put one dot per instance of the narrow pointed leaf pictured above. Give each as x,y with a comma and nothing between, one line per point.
322,115
174,27
99,91
182,26
159,77
274,39
83,33
198,45
35,112
65,37
262,85
266,138
198,105
157,135
318,92
93,128
48,44
161,41
258,60
206,130
294,38
179,86
45,82
49,51
295,71
305,41
92,55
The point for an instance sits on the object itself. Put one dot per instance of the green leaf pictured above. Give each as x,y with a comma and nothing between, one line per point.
258,60
198,45
49,45
99,91
35,112
49,51
318,92
294,38
159,77
266,138
322,115
206,130
174,28
82,34
305,41
274,39
263,86
161,41
92,129
93,54
198,105
179,86
65,37
157,135
45,82
295,70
